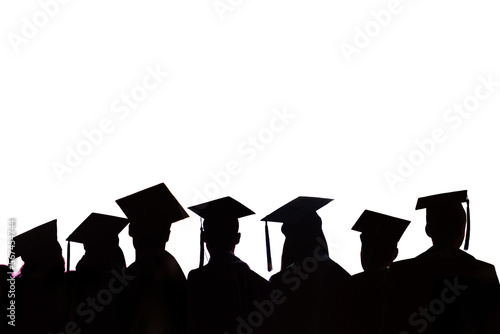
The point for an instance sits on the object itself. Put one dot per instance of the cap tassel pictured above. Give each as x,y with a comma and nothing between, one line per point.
202,246
67,258
467,233
268,251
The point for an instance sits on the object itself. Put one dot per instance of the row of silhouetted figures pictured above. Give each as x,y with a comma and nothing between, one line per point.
443,290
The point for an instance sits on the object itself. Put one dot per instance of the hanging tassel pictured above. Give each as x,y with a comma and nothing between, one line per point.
67,258
467,233
268,250
202,246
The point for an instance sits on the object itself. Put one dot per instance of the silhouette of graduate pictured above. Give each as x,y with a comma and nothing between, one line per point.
309,279
102,262
99,235
222,293
40,294
365,296
154,300
452,292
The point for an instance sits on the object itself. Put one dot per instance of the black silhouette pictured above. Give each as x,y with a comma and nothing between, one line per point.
444,289
154,298
40,299
309,280
222,294
94,272
365,296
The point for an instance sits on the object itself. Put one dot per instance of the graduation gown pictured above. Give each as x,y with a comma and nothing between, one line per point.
312,296
153,302
222,294
444,290
40,304
94,284
364,302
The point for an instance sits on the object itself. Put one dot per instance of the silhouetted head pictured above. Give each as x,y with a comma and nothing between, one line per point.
376,254
102,257
40,251
446,218
151,212
446,225
220,224
221,235
380,235
150,242
303,238
99,235
46,261
301,227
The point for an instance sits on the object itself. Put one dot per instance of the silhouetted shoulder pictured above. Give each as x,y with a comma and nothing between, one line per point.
311,292
236,268
335,271
381,275
154,297
222,292
234,277
443,252
487,271
457,291
364,302
323,269
159,265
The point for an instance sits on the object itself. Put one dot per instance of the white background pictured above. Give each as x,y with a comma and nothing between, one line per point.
229,74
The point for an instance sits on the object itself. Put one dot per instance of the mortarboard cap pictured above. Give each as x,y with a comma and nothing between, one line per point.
36,239
96,228
294,212
222,208
447,200
377,226
455,197
151,209
225,208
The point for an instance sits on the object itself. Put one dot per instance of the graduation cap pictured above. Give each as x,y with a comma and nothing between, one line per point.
447,200
96,228
36,239
294,212
222,210
380,227
151,210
